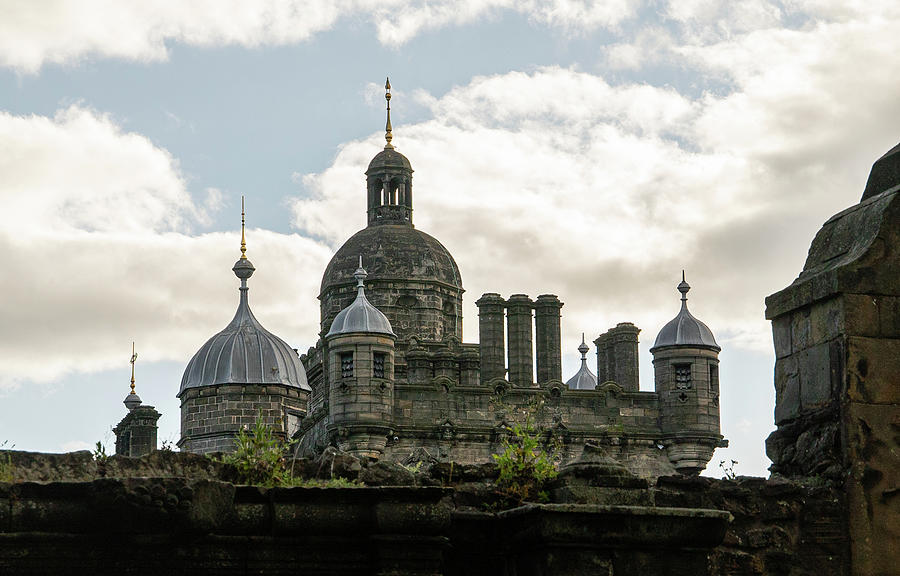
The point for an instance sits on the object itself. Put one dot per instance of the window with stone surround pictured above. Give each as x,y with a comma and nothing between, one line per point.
682,376
378,364
713,378
346,364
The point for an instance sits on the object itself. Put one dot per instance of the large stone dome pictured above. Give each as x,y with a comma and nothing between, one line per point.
392,252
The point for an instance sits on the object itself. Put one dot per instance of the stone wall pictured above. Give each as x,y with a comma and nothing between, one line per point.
837,373
175,513
212,416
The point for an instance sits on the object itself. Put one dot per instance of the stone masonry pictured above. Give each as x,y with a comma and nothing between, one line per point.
837,373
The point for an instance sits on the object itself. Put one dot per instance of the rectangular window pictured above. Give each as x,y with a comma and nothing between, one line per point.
346,364
713,379
682,376
378,364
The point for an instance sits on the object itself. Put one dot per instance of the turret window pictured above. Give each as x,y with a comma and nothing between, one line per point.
682,376
378,364
713,378
346,364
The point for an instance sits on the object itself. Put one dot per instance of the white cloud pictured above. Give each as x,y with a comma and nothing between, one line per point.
33,34
602,193
98,251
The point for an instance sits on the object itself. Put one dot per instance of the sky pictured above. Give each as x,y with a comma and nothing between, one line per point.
593,150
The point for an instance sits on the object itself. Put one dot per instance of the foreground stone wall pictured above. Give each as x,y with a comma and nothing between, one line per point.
177,513
837,373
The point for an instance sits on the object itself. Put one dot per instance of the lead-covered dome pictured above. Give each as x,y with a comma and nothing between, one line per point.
244,352
684,329
584,379
360,315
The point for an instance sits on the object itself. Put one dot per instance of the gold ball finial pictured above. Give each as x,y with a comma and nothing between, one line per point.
388,135
243,241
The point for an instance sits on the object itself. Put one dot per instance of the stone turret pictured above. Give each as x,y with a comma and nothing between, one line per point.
360,352
240,374
686,370
136,433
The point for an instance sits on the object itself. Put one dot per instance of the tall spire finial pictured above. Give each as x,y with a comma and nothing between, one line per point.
133,360
388,136
243,241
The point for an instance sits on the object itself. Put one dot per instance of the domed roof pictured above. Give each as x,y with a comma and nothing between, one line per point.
244,352
393,252
684,329
389,158
360,315
584,379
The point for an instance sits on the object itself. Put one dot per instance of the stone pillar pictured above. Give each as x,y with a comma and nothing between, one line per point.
490,335
548,344
837,367
136,433
617,356
603,371
519,336
624,341
469,367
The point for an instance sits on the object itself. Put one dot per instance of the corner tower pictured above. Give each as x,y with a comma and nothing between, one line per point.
412,278
242,373
686,375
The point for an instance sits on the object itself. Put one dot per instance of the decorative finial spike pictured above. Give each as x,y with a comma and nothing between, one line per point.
133,360
684,288
388,131
360,275
243,241
583,348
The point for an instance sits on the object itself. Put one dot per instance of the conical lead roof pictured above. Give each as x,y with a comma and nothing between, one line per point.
584,379
360,315
244,352
684,329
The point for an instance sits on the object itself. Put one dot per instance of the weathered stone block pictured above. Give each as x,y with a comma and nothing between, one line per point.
800,329
815,377
787,389
873,370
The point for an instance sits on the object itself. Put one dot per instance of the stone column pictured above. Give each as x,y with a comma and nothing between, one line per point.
490,335
547,332
519,336
625,345
603,371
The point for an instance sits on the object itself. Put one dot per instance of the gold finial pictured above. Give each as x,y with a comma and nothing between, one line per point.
243,242
387,128
133,360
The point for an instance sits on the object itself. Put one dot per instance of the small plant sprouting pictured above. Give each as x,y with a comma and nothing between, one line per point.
526,463
728,470
100,453
259,456
260,459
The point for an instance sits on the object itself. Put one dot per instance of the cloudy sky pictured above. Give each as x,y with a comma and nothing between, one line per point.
588,149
